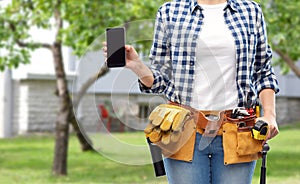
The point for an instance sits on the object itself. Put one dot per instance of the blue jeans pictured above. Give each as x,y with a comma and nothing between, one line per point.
208,167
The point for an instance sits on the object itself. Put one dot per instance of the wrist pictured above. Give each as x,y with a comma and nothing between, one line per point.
136,66
270,118
269,113
132,63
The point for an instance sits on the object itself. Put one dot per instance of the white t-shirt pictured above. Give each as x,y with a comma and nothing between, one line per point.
215,75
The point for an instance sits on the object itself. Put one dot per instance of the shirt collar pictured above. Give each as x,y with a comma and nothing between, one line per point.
232,4
193,5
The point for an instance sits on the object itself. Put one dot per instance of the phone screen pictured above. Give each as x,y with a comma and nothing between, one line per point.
115,38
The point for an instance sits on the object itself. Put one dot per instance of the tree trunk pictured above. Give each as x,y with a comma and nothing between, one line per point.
289,62
62,122
85,142
78,96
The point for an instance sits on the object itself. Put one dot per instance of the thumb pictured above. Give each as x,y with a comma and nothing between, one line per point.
128,48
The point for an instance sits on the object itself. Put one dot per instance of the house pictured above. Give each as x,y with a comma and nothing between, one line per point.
288,99
34,104
28,102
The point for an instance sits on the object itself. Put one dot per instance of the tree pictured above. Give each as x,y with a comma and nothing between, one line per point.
76,24
283,22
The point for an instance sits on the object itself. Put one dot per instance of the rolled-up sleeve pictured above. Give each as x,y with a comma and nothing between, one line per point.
159,57
264,77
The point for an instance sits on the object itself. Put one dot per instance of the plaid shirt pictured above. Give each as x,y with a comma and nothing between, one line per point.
173,53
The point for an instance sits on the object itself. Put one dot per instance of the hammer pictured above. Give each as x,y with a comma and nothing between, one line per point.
263,169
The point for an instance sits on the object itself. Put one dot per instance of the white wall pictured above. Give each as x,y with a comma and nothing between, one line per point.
117,80
289,84
1,104
6,104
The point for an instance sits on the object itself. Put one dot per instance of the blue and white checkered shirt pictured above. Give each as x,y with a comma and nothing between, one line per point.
173,53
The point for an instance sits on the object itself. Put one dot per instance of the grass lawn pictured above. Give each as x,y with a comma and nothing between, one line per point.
29,160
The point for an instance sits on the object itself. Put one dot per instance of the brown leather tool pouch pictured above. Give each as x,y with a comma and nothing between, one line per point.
238,144
183,148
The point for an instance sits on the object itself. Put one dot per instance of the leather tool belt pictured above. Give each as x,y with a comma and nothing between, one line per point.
238,144
202,118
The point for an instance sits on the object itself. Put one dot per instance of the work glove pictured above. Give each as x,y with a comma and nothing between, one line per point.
166,123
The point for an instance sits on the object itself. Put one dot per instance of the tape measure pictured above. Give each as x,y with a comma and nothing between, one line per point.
260,130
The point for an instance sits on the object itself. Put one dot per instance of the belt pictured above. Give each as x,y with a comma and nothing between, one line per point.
202,118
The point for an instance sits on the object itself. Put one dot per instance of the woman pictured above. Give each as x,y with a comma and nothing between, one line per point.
210,55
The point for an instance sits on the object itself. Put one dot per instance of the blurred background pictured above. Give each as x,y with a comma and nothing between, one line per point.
63,113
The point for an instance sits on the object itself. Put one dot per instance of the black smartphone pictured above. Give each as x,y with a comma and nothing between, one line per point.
115,39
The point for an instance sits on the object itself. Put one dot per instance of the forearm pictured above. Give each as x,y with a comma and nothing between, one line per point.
144,74
267,98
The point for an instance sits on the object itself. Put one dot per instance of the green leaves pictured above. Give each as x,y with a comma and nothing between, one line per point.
84,21
14,58
283,23
16,20
87,20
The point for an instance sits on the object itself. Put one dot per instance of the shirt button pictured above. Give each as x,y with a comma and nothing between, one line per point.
195,37
192,63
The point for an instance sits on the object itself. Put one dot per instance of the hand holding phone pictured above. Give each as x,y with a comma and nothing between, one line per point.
119,55
115,39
